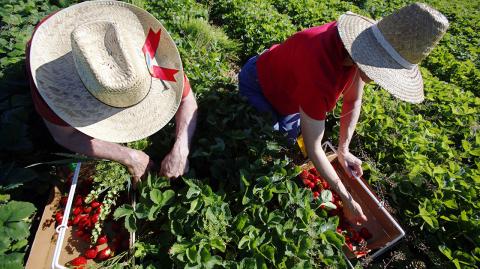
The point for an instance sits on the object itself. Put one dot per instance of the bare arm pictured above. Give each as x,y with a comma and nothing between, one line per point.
136,161
352,102
175,163
312,132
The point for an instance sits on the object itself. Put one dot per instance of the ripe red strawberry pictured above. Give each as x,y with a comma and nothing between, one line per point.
306,182
313,170
316,194
77,210
91,253
87,209
59,217
94,218
304,175
102,240
78,201
104,254
95,204
325,185
79,262
79,233
76,219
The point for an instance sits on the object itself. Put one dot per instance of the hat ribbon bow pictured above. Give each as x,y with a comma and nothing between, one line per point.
150,49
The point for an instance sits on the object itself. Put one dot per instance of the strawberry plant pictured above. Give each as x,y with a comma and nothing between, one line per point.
15,220
256,24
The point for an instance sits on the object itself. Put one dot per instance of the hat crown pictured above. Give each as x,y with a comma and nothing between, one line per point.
413,31
109,67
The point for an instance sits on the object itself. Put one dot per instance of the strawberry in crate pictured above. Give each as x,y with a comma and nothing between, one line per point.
355,238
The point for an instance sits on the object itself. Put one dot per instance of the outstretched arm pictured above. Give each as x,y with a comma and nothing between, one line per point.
312,132
175,163
352,102
136,161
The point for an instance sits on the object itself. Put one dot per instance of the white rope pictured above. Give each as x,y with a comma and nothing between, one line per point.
390,50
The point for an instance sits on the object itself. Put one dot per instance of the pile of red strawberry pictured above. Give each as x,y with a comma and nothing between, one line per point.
83,217
356,241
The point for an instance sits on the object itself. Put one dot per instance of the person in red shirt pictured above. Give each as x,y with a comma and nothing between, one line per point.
301,79
175,163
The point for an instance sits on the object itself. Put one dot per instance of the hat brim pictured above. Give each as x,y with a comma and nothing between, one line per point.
54,74
375,62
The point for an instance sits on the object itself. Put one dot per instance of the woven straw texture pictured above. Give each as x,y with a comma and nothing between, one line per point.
58,81
377,63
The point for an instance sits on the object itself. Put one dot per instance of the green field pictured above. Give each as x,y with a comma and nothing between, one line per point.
241,205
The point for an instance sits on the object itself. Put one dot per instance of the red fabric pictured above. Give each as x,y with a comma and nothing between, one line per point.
186,86
41,106
305,71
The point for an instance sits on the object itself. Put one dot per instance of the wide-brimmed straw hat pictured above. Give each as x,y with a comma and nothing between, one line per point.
109,69
388,51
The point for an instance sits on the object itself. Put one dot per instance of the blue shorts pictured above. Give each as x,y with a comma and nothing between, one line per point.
249,87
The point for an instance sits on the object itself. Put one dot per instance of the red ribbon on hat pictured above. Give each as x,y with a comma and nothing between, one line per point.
149,49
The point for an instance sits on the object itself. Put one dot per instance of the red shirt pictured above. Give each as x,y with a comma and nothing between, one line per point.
306,71
41,106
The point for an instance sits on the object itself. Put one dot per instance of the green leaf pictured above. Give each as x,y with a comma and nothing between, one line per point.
326,196
268,251
475,152
329,205
167,196
16,211
192,254
218,244
153,212
130,223
178,248
12,261
334,238
452,203
156,196
18,246
194,206
123,211
4,244
244,242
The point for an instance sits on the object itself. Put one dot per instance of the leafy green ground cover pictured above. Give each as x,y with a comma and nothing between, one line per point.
240,206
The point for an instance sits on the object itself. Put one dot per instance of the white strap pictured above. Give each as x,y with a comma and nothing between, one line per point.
390,50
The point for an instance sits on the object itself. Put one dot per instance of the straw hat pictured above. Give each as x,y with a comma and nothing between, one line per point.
109,69
388,51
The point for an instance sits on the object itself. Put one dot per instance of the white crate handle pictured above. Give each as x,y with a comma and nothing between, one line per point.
66,215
